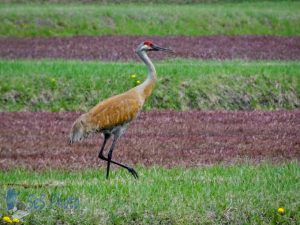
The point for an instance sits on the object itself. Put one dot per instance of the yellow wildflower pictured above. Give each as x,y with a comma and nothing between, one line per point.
280,210
133,76
138,82
15,220
7,219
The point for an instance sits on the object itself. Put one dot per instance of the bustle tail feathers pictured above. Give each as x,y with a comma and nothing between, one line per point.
79,130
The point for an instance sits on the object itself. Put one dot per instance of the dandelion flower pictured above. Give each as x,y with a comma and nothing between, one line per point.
280,210
138,82
15,220
133,76
7,219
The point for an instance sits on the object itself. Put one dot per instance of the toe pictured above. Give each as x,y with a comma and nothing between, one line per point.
133,172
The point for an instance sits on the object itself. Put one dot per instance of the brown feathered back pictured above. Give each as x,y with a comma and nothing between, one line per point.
112,112
116,110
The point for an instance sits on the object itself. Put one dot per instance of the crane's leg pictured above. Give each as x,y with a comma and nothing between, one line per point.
106,137
101,156
109,160
109,156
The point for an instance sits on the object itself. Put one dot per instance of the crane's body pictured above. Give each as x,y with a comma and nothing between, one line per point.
113,115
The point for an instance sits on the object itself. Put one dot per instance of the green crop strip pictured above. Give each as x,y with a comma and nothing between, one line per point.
57,85
256,18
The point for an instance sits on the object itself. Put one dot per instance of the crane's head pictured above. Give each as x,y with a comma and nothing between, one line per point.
149,46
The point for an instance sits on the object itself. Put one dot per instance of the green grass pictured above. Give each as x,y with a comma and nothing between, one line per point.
147,2
245,18
236,194
57,85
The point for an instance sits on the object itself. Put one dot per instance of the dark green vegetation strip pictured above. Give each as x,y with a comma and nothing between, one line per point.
256,18
105,2
182,84
237,194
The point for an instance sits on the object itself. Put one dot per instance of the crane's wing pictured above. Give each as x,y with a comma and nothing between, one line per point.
116,110
112,112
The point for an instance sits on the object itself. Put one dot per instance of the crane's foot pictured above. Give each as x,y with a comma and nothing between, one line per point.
133,172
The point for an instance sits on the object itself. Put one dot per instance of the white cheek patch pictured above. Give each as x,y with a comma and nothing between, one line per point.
146,47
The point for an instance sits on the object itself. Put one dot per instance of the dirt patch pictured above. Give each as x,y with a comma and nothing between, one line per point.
40,140
122,47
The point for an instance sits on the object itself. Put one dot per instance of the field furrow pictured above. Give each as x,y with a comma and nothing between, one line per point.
111,48
167,138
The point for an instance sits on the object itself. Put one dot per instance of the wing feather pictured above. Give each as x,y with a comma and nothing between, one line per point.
116,110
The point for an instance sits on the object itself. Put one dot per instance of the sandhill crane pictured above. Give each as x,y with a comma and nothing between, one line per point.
113,115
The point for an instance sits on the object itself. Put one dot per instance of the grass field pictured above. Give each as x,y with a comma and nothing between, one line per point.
255,18
249,191
236,194
57,85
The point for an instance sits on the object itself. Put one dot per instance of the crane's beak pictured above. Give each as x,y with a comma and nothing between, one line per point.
157,48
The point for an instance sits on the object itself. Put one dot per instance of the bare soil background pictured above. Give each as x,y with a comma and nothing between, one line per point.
122,47
167,138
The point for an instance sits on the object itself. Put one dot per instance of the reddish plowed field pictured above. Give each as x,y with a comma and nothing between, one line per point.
122,47
40,140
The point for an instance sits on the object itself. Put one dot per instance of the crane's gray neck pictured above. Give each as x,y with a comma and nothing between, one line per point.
151,69
147,86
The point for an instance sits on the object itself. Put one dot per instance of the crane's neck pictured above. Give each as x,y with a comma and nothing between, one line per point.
147,86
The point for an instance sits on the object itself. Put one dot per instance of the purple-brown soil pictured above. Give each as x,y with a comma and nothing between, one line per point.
122,47
168,138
